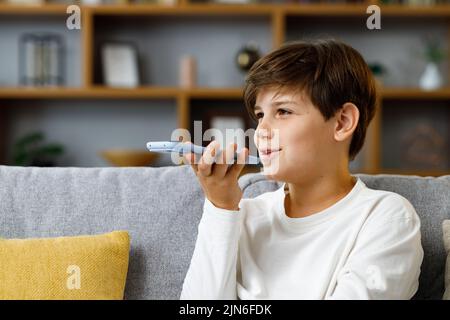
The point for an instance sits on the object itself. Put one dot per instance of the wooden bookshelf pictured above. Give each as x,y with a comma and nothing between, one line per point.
415,93
277,15
39,10
95,92
187,8
150,92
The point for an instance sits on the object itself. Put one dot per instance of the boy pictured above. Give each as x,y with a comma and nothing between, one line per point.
323,234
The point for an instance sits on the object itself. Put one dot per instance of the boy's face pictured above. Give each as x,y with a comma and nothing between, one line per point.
289,122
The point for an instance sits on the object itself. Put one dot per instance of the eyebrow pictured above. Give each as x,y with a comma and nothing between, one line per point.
278,103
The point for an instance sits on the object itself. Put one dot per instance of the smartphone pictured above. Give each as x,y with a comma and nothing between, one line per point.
182,148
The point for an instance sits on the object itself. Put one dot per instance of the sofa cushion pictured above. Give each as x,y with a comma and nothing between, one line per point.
430,197
91,267
446,237
159,207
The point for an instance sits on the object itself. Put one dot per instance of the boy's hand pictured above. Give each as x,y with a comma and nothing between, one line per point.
219,181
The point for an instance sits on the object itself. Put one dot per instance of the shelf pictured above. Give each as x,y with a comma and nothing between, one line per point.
113,93
102,92
232,9
415,11
189,9
415,93
215,93
325,10
360,10
43,9
95,92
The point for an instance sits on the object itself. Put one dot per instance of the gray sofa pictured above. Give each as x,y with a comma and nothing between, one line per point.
161,209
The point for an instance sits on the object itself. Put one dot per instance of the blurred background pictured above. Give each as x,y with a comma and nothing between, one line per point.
90,87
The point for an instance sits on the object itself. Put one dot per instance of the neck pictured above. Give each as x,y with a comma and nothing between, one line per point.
305,199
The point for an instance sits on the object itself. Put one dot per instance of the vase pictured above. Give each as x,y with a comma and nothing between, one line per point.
431,77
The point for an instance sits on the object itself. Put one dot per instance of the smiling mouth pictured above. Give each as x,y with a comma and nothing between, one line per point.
266,153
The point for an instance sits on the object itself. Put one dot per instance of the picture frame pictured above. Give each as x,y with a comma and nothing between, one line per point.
41,59
228,119
120,64
25,2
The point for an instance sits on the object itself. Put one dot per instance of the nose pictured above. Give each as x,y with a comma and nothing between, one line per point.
263,130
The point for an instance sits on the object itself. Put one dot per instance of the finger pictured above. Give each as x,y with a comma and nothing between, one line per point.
225,160
236,168
206,161
213,152
190,157
231,151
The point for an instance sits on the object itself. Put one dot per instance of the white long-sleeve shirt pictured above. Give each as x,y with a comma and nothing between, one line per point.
365,246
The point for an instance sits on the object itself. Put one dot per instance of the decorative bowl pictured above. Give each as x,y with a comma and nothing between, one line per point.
129,157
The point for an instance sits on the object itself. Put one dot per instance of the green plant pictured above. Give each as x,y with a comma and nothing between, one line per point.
30,150
377,69
433,50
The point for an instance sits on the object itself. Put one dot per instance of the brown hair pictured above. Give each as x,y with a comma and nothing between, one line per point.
330,72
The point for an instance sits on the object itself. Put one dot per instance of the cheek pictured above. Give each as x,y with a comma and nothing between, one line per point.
298,136
304,141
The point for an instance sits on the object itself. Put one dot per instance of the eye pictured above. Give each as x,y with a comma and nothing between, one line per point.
258,115
283,112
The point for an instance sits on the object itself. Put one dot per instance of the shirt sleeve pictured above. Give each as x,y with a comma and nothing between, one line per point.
212,271
386,259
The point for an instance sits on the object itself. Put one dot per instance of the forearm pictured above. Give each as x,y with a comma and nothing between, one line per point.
212,272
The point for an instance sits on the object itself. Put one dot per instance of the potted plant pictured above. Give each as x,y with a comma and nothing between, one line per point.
434,54
378,71
30,150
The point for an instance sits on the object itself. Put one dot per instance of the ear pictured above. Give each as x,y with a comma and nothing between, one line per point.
346,121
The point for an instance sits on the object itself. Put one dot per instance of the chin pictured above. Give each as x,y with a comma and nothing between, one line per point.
272,168
272,172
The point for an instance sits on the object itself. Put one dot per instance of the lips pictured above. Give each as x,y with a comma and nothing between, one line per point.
267,152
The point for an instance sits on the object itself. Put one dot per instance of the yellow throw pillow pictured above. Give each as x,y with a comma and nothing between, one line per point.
82,267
